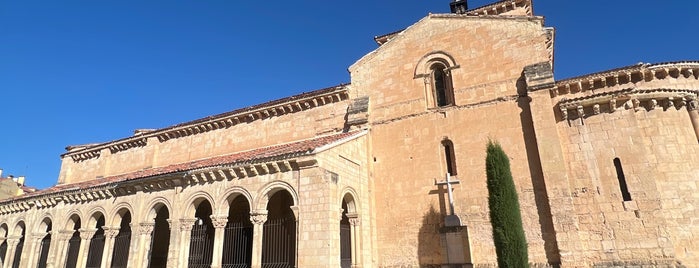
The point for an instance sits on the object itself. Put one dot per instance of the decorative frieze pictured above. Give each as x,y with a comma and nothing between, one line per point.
632,98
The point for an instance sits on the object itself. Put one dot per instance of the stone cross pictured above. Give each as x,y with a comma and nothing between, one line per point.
448,182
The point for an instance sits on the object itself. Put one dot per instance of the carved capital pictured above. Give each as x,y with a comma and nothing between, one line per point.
65,234
87,234
111,232
219,221
692,105
38,236
354,221
146,228
171,224
13,240
258,218
187,224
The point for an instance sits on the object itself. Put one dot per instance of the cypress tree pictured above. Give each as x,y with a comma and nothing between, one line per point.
505,217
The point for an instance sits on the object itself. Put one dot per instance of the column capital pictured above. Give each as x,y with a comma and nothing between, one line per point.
13,240
87,234
146,228
187,224
219,221
258,217
354,220
111,231
38,235
65,234
171,223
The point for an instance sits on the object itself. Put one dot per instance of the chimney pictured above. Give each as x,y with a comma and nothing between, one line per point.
458,6
20,180
0,172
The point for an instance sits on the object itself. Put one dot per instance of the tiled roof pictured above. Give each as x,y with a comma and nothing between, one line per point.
293,149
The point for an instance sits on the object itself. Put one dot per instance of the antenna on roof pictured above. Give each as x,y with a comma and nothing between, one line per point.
458,6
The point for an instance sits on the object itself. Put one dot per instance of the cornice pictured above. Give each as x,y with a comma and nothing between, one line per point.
630,98
626,75
502,7
246,115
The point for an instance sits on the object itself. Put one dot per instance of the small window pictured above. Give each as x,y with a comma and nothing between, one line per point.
441,85
622,180
449,156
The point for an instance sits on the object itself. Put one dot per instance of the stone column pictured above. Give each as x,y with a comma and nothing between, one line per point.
12,242
354,228
31,253
145,229
134,241
85,236
186,226
692,106
173,247
61,250
219,223
109,234
258,220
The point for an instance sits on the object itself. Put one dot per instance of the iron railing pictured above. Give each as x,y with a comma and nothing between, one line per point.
201,247
94,254
237,245
73,250
44,251
120,254
279,243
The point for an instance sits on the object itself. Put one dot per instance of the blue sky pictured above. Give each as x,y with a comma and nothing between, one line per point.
76,72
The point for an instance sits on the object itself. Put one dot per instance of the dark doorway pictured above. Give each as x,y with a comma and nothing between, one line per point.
96,247
160,239
201,241
73,245
345,239
237,243
122,242
279,235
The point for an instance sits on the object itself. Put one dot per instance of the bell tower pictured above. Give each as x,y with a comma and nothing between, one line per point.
458,6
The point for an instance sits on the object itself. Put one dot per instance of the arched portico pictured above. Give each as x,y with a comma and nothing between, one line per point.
349,236
119,238
238,236
157,232
44,232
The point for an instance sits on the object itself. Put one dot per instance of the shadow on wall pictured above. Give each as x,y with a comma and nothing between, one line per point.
537,175
430,246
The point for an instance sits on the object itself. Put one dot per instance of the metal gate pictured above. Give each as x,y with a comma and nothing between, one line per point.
345,245
18,253
237,245
201,247
44,251
73,250
94,254
120,255
279,243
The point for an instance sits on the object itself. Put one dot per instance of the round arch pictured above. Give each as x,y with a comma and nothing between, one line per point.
260,203
20,227
45,224
153,206
4,230
118,212
194,200
349,196
230,195
94,214
422,68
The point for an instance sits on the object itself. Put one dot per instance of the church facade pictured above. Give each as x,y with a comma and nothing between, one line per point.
356,175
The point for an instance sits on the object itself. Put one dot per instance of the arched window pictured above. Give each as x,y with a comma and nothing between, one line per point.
441,85
435,69
449,156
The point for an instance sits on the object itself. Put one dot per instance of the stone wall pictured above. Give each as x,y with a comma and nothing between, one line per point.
244,136
407,131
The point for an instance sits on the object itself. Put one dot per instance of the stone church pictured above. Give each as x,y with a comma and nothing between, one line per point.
388,170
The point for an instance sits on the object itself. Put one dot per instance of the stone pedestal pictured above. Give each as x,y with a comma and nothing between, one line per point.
455,238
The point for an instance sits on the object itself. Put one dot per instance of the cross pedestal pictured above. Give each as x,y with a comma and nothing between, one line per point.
454,234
